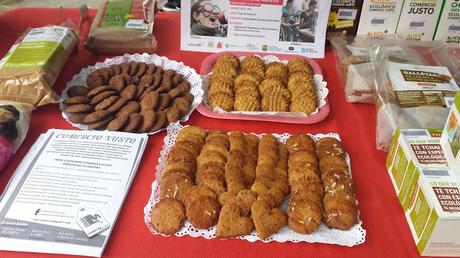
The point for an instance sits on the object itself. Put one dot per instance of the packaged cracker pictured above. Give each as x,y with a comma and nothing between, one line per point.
14,124
412,95
353,63
32,65
123,26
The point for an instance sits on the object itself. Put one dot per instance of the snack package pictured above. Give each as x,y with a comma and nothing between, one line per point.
14,124
353,63
32,65
123,26
411,95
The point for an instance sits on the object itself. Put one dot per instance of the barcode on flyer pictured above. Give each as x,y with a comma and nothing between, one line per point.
377,21
454,28
347,14
415,133
417,24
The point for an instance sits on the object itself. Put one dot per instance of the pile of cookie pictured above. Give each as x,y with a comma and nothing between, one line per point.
129,97
239,182
252,85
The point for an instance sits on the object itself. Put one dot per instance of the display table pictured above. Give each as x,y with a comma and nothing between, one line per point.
388,234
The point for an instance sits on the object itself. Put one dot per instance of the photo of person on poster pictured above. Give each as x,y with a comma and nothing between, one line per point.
208,19
299,25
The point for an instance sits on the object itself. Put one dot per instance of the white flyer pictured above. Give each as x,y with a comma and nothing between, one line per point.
66,194
274,26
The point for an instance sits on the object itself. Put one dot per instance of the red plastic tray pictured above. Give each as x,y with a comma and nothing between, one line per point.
206,68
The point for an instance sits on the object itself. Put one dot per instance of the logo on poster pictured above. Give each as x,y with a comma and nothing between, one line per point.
219,45
264,47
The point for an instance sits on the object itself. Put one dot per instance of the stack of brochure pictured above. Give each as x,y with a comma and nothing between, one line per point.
66,194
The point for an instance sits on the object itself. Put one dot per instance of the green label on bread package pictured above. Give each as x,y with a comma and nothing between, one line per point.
33,54
116,13
394,145
408,188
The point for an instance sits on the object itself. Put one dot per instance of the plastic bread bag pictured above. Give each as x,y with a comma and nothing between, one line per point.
30,68
353,63
123,26
14,124
411,95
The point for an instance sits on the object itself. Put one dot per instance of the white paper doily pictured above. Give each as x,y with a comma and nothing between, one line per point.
321,91
189,74
355,236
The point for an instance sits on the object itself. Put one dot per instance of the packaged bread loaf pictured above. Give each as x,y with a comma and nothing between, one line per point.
122,26
30,68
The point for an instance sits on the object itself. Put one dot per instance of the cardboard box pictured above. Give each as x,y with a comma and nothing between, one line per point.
427,190
450,139
419,19
344,16
379,16
448,29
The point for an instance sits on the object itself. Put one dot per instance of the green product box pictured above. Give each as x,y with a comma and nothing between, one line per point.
428,191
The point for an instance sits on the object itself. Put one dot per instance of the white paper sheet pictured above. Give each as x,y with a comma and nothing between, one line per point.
275,26
68,174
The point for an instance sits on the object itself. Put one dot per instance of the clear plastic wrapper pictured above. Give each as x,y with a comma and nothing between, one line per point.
415,93
353,63
14,124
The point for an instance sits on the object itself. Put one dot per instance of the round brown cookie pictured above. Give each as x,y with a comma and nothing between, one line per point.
300,142
188,96
163,101
140,91
129,92
135,120
160,121
176,186
125,67
141,68
130,108
106,103
97,90
119,103
116,68
197,191
173,115
77,91
167,216
96,116
150,69
329,146
77,117
105,73
118,123
78,108
203,212
117,82
304,216
148,120
94,80
102,96
177,78
184,86
156,81
175,92
149,101
146,80
182,105
76,100
133,67
100,125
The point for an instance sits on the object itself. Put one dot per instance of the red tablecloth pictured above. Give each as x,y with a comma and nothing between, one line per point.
388,233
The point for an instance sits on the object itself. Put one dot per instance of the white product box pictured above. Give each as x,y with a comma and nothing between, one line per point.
428,192
380,16
448,29
450,140
418,19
